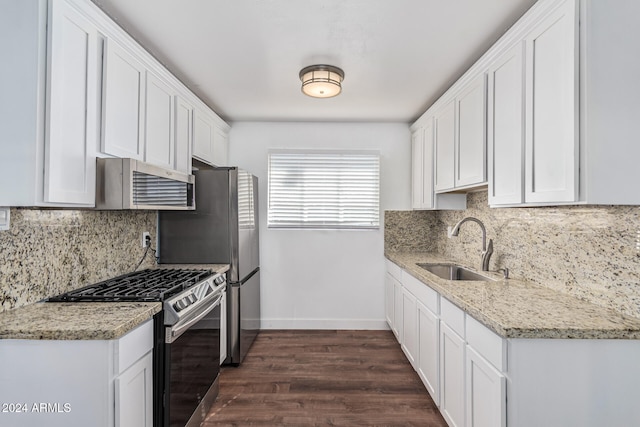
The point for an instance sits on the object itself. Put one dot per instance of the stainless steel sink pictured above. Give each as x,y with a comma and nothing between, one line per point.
453,272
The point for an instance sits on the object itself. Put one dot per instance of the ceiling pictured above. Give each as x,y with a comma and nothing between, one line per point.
242,57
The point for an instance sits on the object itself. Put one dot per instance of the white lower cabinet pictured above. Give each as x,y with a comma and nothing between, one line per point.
389,290
452,376
134,388
393,295
428,364
485,392
480,379
397,310
459,360
61,383
409,326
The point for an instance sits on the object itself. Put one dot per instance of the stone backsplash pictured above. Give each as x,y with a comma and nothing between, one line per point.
590,252
409,230
48,252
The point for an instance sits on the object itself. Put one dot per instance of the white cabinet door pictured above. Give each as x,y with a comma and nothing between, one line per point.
422,167
203,135
506,128
183,134
417,168
220,147
470,163
485,393
429,350
123,97
444,143
134,395
398,316
551,96
72,131
452,376
159,138
389,294
409,326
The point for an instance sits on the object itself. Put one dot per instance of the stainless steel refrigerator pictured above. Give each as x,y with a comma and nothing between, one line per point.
223,229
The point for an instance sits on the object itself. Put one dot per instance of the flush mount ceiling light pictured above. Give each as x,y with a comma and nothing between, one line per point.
321,81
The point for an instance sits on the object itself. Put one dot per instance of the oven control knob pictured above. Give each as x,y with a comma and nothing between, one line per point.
218,280
182,304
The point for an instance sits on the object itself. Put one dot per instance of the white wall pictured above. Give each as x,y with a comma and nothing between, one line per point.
324,279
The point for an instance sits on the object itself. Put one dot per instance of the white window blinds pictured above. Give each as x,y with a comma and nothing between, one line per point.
316,189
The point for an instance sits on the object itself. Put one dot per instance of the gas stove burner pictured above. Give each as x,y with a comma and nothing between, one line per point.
145,285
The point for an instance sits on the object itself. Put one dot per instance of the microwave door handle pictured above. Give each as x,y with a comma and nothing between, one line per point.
179,328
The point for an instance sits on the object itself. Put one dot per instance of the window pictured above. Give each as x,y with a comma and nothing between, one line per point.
324,189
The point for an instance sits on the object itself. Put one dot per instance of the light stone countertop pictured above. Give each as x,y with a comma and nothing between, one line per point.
84,320
519,309
75,320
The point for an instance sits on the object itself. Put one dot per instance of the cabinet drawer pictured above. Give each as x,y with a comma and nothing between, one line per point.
452,316
133,346
427,296
393,269
488,344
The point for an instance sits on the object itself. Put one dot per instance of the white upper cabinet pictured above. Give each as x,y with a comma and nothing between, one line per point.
422,172
221,146
73,65
471,153
551,105
77,87
210,138
123,103
183,134
159,137
561,110
444,143
50,85
506,128
460,137
422,167
203,132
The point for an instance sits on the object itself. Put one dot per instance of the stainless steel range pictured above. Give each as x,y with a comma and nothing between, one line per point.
187,335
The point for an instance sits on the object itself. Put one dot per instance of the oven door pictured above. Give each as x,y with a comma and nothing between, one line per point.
192,365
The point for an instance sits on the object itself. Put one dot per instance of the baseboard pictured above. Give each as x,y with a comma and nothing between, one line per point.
330,324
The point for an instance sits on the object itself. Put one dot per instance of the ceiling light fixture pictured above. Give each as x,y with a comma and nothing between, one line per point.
321,81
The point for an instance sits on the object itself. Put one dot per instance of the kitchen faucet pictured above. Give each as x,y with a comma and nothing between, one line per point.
486,250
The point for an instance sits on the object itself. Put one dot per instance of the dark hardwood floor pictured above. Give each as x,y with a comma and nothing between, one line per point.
323,378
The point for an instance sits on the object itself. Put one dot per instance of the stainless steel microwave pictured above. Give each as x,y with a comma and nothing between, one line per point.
123,184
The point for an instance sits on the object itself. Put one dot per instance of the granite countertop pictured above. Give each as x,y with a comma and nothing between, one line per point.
84,320
75,320
519,309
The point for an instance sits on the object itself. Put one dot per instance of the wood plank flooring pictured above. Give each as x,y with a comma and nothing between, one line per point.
323,378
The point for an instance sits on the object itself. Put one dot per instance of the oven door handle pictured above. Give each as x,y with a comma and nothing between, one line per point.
174,332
